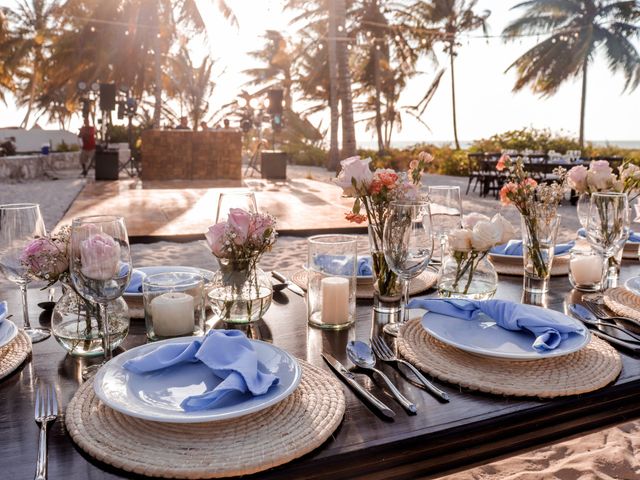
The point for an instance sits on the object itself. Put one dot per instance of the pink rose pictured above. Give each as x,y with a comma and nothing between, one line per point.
599,175
354,168
577,178
215,238
239,221
387,177
425,157
502,162
46,258
100,256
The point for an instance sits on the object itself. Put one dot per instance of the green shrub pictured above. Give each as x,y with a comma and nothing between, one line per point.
308,155
64,147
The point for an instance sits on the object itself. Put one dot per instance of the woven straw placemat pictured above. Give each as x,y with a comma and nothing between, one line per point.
588,369
623,302
14,353
287,430
422,282
514,266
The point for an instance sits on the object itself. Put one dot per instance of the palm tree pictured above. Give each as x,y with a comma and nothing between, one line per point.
445,20
339,8
575,29
7,66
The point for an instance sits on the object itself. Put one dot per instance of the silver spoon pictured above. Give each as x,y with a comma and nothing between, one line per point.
361,355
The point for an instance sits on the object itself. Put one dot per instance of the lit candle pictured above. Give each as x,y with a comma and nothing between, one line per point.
335,300
586,269
172,314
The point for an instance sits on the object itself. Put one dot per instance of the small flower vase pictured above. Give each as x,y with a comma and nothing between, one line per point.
240,292
467,275
387,288
76,324
582,209
538,245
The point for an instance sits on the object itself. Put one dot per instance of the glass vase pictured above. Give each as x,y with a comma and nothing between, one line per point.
76,324
387,288
582,209
240,292
467,275
539,235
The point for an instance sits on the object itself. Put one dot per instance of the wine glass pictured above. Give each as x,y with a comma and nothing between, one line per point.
446,213
100,266
229,200
19,224
407,243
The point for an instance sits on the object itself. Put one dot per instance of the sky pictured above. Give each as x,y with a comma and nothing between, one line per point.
486,103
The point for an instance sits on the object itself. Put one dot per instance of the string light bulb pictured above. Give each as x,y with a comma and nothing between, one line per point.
93,29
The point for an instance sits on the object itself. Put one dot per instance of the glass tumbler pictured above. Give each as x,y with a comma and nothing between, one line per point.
586,270
331,288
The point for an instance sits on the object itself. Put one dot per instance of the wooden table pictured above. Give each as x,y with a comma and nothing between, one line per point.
472,428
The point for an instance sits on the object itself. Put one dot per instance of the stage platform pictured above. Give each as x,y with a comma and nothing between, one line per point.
181,210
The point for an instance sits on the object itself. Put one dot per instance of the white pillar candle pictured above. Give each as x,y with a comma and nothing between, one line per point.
586,269
172,314
335,300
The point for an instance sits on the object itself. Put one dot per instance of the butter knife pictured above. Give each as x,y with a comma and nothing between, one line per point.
290,285
616,341
347,376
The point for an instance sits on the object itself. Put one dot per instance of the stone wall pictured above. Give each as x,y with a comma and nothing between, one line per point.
27,167
187,155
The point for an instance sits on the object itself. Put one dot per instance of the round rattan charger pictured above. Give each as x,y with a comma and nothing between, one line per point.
14,353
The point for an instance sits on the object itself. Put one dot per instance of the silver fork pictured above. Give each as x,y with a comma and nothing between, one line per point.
600,311
384,353
45,412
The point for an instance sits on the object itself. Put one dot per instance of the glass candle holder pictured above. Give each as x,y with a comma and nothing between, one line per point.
331,288
173,305
586,270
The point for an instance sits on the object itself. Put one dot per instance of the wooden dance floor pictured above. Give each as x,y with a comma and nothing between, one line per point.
183,209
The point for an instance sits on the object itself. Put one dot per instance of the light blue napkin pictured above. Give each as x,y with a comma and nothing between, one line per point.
227,353
341,265
4,307
514,247
135,282
633,236
548,326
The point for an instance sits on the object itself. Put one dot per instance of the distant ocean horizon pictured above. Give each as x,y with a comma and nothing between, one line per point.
372,144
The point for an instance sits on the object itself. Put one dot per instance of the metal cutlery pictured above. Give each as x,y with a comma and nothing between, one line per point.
45,412
600,310
384,353
611,329
348,377
361,355
290,285
634,347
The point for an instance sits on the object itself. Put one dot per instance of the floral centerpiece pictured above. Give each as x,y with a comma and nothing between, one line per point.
241,292
538,207
466,271
373,191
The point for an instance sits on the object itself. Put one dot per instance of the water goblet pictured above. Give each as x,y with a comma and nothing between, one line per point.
229,200
19,224
100,266
408,246
446,213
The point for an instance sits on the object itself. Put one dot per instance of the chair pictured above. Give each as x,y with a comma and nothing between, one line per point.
474,172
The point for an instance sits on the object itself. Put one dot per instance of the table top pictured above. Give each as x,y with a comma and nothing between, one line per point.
473,427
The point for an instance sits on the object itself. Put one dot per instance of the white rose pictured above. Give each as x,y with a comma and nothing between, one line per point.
599,175
617,185
357,169
630,171
506,229
470,220
460,240
484,236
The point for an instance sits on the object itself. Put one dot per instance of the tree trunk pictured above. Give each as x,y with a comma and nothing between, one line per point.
376,82
157,112
583,100
348,125
334,154
453,100
32,92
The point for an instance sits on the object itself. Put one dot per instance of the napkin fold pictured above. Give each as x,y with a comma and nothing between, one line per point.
227,353
340,265
633,236
4,307
548,326
135,282
514,247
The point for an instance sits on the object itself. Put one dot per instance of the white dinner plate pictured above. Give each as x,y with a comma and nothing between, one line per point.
206,274
8,332
156,396
501,256
484,337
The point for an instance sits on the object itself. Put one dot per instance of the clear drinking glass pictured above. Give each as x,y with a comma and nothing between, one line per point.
229,200
19,224
586,270
100,266
408,246
446,214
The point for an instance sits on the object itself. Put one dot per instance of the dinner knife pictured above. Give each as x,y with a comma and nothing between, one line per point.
347,376
616,341
290,285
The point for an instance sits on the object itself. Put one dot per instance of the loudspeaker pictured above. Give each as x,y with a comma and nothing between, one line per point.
107,96
275,101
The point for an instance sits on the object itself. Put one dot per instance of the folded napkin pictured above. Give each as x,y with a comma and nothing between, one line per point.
548,326
135,282
514,247
3,311
227,353
633,236
341,265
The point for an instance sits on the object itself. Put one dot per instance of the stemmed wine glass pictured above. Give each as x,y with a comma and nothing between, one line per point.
100,265
446,213
19,224
407,243
229,200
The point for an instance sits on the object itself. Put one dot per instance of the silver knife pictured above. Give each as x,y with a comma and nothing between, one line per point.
290,285
347,376
616,341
